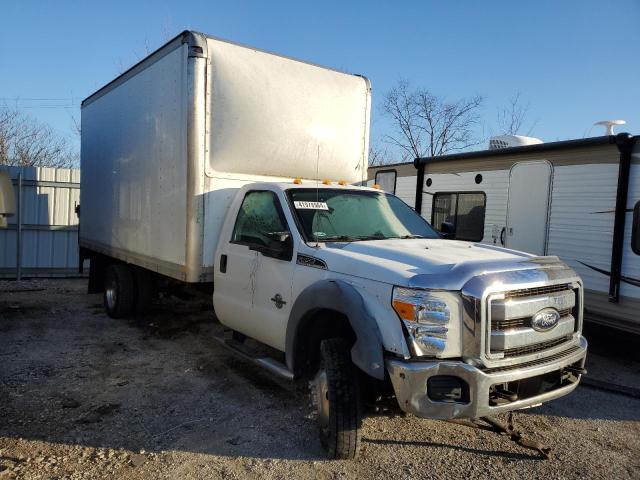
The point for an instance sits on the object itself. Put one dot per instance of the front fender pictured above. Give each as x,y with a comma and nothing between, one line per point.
367,351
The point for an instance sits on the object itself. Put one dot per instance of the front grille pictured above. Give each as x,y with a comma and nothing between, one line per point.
534,363
530,292
510,339
520,322
536,347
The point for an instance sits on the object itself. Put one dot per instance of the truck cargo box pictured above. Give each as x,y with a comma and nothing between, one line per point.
167,143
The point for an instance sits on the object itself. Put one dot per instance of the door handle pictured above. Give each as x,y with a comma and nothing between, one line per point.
223,263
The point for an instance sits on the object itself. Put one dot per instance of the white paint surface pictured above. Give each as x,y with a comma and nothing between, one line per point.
272,115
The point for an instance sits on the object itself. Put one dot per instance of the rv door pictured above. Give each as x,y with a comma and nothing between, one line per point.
528,206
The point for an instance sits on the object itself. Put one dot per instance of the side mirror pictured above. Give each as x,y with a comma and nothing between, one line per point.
277,236
448,230
281,246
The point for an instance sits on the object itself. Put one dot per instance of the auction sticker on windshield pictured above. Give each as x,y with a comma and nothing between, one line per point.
310,205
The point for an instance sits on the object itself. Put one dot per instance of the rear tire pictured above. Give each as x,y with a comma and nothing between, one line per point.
338,400
119,291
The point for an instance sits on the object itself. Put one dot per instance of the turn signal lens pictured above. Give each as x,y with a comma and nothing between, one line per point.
326,182
406,311
297,181
342,182
376,186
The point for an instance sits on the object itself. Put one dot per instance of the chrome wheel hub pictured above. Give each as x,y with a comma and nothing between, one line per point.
321,391
111,296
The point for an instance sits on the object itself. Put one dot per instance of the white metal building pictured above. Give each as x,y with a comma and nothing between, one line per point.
42,238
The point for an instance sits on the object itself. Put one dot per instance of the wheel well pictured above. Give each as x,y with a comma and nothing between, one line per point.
318,325
98,264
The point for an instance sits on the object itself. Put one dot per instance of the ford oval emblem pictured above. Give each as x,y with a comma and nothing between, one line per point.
545,319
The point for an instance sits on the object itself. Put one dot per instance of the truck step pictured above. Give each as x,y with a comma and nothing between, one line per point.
267,363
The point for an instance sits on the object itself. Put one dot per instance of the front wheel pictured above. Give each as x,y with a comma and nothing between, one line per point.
337,397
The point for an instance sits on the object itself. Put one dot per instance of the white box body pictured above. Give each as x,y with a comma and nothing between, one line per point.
166,145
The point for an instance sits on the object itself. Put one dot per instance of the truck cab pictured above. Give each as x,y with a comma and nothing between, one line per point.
364,297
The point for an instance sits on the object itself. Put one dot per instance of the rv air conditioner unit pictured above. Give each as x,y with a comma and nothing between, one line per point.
506,141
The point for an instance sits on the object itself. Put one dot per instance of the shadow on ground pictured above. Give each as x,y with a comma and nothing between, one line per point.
70,375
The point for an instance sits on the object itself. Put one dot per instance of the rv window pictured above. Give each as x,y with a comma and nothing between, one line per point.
463,211
387,180
635,230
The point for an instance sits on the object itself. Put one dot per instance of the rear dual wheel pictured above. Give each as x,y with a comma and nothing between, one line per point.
118,291
126,290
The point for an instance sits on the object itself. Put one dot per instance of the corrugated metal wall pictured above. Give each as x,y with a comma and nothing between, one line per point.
49,224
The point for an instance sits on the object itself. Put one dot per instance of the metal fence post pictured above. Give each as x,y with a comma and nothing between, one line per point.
19,230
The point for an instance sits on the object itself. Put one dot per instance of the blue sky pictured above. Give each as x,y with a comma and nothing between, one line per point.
574,62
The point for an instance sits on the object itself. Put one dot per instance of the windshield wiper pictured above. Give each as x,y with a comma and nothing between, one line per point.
349,238
337,238
373,237
404,237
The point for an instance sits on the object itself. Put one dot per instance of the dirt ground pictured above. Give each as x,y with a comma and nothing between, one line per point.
85,396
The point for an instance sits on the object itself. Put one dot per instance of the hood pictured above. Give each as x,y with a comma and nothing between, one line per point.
401,262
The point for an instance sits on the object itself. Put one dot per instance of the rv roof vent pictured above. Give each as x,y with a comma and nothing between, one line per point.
609,124
506,141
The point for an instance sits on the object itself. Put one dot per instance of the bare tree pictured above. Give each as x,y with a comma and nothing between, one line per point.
26,142
378,155
428,125
512,118
166,34
76,126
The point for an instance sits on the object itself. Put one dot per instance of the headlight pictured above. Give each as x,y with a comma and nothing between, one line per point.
432,319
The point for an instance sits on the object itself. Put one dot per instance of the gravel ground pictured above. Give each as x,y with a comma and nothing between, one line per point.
85,396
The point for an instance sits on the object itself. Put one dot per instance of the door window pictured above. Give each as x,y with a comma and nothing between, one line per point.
463,211
260,223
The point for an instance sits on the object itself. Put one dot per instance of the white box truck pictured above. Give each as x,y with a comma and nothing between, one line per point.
218,164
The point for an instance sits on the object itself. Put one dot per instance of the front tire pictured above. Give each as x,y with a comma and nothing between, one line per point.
337,397
119,291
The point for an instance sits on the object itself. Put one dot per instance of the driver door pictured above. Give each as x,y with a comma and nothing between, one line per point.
253,294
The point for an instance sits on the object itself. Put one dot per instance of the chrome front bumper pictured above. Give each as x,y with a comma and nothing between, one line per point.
410,379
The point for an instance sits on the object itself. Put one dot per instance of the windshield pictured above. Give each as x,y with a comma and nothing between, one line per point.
326,215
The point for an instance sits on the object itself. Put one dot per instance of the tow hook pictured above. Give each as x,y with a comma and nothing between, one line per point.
493,425
575,370
506,394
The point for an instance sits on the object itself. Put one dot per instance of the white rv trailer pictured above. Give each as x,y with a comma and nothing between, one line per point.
578,199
